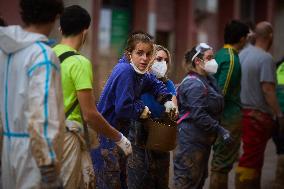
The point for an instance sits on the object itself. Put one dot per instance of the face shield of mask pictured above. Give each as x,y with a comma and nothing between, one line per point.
211,66
200,48
159,69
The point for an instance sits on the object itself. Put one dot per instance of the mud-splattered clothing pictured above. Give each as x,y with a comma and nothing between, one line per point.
201,97
120,104
76,74
257,130
31,106
257,124
147,168
228,78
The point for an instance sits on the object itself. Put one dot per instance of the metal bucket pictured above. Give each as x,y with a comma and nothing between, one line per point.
161,135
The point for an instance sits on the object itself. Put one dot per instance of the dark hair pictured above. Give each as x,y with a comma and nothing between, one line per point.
189,55
135,38
40,11
2,22
234,31
74,20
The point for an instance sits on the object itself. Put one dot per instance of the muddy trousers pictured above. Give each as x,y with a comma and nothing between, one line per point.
257,128
191,156
147,169
224,156
110,167
19,169
109,162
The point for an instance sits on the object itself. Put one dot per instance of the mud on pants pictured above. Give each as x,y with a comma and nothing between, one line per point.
191,156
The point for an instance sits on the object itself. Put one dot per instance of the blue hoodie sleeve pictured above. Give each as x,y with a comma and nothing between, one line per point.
194,99
157,88
126,105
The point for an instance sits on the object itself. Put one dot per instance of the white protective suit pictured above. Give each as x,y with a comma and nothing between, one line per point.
31,103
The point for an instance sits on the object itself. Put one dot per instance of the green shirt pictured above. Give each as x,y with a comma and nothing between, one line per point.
280,85
228,77
76,74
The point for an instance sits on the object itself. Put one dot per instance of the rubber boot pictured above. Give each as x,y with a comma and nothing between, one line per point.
247,178
218,180
279,175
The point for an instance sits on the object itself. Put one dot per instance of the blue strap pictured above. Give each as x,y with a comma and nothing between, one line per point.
46,93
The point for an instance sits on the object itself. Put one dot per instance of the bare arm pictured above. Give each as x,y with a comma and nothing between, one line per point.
93,117
268,89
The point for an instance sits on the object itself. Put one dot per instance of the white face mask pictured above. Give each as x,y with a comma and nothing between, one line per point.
211,66
137,69
159,69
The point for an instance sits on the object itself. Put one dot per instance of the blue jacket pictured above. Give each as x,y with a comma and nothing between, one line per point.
120,103
155,107
201,97
121,97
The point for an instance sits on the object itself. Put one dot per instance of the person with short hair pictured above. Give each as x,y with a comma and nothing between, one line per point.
31,101
228,78
77,82
259,106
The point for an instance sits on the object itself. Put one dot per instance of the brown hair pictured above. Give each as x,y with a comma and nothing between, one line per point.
136,38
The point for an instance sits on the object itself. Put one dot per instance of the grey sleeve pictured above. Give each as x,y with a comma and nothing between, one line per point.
267,70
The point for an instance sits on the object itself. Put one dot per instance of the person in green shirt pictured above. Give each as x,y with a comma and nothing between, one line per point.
280,85
278,137
228,77
77,82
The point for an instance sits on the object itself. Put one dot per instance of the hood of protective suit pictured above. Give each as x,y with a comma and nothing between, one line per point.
14,38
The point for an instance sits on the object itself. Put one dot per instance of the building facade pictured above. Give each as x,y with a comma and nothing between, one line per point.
176,24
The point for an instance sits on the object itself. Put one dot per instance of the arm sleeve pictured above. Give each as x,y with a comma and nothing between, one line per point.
171,88
267,70
45,112
82,73
157,88
196,101
126,105
224,73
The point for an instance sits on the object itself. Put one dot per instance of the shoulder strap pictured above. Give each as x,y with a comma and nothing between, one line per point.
185,79
62,57
72,108
65,55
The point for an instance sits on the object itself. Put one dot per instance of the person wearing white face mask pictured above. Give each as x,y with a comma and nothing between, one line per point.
154,170
120,103
200,104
